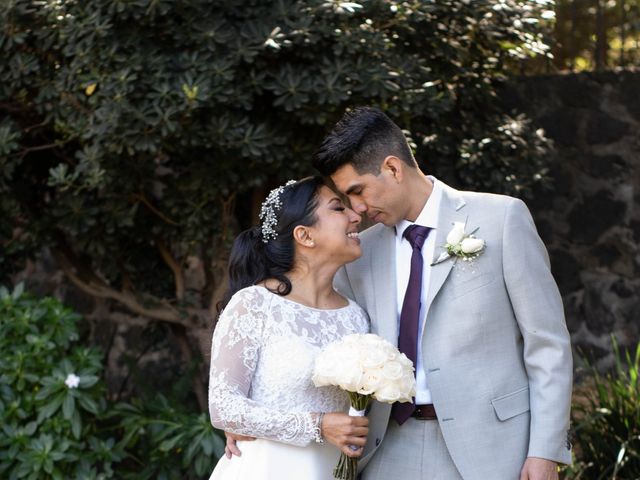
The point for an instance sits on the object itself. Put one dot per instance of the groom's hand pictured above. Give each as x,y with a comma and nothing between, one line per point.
231,448
344,431
539,469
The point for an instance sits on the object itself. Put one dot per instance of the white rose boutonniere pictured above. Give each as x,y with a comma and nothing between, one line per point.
461,244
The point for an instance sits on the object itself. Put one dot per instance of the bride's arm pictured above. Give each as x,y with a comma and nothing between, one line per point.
343,431
235,351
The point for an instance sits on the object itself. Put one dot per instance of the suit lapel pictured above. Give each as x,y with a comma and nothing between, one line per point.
451,210
382,259
383,270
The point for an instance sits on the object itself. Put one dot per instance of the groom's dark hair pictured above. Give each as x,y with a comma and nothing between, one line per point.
363,137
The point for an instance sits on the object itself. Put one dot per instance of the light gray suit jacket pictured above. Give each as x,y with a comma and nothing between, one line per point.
496,349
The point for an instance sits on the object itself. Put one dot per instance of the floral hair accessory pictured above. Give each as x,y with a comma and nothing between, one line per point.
268,212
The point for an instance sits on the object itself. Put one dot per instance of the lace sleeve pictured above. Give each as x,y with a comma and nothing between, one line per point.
235,351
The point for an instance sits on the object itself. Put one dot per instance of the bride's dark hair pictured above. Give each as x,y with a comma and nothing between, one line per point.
253,261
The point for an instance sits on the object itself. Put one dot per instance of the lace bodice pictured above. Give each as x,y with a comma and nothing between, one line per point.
262,357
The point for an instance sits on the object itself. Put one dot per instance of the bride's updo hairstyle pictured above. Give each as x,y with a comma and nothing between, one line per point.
267,250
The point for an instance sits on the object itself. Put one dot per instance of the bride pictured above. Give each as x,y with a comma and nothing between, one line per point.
280,311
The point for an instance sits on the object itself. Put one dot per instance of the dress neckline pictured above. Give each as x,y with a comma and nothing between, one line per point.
285,299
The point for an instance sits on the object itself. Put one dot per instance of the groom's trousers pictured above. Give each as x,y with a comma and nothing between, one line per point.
413,451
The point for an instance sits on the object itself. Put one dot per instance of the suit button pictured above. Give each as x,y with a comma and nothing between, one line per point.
377,442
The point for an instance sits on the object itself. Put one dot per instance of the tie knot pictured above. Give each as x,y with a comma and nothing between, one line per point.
416,234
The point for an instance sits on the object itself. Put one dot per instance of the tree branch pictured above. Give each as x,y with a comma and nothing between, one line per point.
219,264
96,287
176,268
141,198
38,148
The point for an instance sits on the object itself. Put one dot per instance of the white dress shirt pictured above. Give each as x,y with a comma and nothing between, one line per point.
428,217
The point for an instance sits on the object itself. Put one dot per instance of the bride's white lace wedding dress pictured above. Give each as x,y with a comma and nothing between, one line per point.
262,359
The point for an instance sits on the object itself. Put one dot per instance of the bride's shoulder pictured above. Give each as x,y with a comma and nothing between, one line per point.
248,299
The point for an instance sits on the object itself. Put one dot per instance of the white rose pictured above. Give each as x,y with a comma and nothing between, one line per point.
332,360
350,379
405,362
371,382
387,393
406,389
392,370
370,341
472,245
374,357
456,234
367,364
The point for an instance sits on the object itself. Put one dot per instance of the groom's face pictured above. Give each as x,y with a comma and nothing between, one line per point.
376,196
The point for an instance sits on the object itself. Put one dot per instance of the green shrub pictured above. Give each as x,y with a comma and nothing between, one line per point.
50,429
136,135
607,423
57,422
163,442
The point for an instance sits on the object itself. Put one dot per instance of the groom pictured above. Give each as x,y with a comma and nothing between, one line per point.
486,333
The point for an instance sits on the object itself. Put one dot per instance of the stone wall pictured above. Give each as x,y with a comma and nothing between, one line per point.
590,220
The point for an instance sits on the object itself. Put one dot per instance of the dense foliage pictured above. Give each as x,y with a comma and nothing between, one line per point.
607,422
56,426
137,135
129,127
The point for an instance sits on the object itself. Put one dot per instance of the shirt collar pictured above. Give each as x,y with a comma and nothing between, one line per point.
428,217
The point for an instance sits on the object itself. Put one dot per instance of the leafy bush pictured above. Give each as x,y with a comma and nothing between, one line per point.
130,128
163,442
50,394
607,423
56,420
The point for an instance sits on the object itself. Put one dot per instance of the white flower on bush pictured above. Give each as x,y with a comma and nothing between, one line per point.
72,380
366,364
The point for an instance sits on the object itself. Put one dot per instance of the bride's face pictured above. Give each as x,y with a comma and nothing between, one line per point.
335,233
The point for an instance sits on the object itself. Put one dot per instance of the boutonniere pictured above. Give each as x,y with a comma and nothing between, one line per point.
461,244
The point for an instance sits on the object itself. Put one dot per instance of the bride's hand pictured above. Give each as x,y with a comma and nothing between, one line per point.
231,448
343,431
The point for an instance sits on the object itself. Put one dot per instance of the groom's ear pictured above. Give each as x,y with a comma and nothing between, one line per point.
393,167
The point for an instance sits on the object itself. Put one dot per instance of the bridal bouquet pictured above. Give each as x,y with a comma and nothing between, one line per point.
367,367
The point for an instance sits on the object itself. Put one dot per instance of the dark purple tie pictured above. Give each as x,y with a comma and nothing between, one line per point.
410,313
